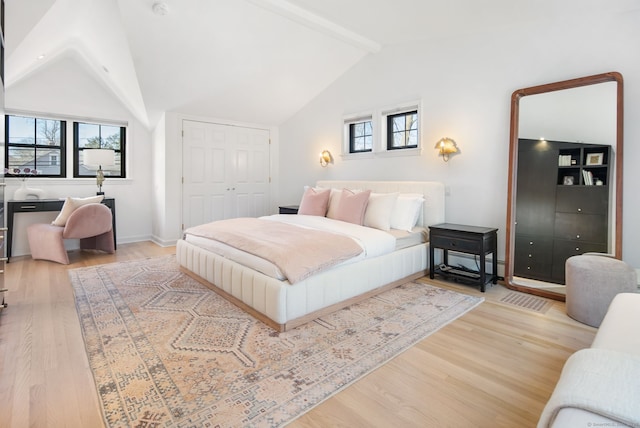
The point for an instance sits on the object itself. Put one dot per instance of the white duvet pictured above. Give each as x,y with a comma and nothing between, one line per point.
373,242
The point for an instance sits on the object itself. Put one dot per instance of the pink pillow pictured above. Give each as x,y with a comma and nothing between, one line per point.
352,206
314,202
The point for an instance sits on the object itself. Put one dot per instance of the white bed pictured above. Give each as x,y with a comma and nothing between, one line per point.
282,305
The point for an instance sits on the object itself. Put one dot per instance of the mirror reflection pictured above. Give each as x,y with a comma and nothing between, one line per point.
564,179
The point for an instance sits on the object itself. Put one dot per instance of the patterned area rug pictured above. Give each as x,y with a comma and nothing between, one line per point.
167,351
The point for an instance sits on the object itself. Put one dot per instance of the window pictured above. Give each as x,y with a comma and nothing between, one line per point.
389,131
402,130
97,136
35,143
360,137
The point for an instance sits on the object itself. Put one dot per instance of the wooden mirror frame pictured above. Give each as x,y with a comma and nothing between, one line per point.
513,168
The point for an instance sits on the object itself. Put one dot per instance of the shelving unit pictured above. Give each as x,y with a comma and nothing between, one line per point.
563,205
575,164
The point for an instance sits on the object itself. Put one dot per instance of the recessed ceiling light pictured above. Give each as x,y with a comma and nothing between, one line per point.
160,8
41,56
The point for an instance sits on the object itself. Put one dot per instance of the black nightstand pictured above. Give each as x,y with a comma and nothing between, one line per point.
475,240
289,209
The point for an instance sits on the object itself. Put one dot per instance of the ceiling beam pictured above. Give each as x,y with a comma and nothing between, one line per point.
310,20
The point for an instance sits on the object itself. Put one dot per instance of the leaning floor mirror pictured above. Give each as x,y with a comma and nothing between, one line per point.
565,179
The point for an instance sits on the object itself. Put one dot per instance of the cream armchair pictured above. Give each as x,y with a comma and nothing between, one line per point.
91,223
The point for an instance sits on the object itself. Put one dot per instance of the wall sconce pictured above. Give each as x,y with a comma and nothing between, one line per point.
325,158
446,146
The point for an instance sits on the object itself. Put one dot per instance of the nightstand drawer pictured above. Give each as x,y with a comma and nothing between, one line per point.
456,244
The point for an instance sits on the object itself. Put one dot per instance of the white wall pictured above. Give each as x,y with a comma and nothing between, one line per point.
66,88
465,85
159,202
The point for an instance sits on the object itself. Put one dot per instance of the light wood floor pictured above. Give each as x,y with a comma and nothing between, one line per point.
493,367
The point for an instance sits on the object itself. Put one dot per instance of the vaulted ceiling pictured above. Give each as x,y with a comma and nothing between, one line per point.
255,61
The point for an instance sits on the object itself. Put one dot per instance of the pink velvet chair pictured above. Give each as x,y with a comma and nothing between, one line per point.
90,223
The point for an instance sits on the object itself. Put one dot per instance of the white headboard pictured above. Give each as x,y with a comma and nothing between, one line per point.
433,191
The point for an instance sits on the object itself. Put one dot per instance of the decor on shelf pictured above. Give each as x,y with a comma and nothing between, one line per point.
446,147
325,158
25,192
594,158
95,159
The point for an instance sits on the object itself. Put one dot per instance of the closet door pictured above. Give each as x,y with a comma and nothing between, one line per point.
225,172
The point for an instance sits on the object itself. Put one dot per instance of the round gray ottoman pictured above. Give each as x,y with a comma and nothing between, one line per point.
593,280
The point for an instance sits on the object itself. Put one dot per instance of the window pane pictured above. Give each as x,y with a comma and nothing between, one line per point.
83,170
48,132
117,168
402,130
21,158
21,130
368,128
89,135
398,124
413,138
412,121
110,137
358,129
398,139
360,136
358,144
36,143
48,161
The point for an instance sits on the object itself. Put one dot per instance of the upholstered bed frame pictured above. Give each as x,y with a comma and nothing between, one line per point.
282,305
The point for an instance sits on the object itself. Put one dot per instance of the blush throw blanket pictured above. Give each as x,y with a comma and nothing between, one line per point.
298,252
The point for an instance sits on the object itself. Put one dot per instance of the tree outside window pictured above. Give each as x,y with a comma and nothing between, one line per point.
96,136
360,137
402,130
36,144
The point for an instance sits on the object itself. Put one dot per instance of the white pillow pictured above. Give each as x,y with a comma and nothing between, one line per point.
334,199
379,209
406,211
71,204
